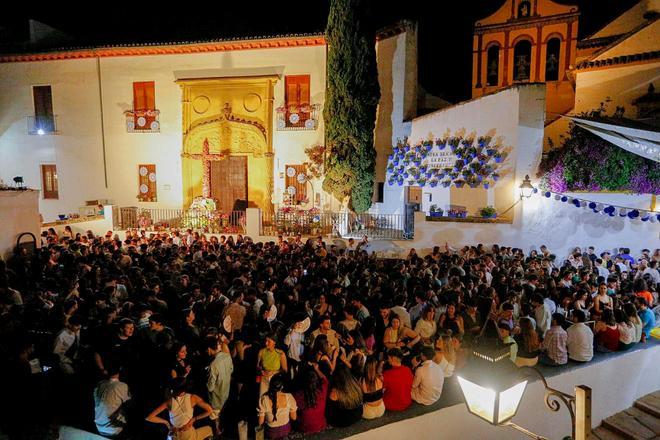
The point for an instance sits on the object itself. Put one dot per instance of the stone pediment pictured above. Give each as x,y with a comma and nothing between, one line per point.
228,134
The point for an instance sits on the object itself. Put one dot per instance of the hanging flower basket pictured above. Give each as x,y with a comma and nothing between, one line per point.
483,141
495,177
433,183
498,157
486,185
441,143
446,183
406,174
459,183
406,148
491,152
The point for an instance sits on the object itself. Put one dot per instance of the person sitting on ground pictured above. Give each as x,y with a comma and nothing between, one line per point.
277,409
345,398
372,391
446,352
397,382
426,327
311,400
429,378
398,336
110,398
631,311
607,332
626,329
528,344
647,316
580,339
554,343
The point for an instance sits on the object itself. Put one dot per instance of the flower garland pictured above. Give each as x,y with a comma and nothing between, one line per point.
604,208
476,164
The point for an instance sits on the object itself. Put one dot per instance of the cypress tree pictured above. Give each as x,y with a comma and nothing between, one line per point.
351,103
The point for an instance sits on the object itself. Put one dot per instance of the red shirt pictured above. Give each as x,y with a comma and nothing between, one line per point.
312,420
397,382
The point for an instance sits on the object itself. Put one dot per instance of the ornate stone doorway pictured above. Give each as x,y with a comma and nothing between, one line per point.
227,130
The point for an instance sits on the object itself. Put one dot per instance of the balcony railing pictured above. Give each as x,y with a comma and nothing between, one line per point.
166,219
304,117
41,125
142,121
338,224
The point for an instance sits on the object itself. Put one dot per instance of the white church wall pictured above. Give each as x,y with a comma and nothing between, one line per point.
75,149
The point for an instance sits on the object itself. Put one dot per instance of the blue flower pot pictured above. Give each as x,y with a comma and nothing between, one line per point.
491,152
459,185
495,178
433,184
499,159
435,214
446,184
405,175
489,216
442,146
428,174
390,157
406,148
486,185
400,182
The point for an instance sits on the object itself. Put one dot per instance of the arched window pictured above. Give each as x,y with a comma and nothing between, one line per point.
522,60
552,51
493,66
524,9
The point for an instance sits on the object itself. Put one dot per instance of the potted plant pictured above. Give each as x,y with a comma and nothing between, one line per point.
491,152
498,157
435,211
413,171
400,181
390,167
483,141
454,143
459,152
433,183
457,213
428,145
495,176
421,181
406,174
486,184
458,165
488,212
459,183
471,152
441,143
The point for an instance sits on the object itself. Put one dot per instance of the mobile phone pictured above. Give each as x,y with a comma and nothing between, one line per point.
305,272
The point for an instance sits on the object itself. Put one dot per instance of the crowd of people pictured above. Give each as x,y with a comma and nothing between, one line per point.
177,334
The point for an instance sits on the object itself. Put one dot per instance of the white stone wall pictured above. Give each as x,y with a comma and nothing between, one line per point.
18,214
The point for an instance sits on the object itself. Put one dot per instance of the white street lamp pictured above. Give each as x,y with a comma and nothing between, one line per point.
526,188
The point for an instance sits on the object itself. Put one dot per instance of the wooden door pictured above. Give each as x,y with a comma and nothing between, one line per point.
229,183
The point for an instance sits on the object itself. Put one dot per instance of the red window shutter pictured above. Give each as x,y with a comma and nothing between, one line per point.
144,95
145,173
297,94
49,181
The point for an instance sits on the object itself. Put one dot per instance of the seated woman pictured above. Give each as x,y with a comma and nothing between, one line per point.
626,330
528,344
446,353
372,391
631,311
181,407
311,400
426,327
398,336
345,399
606,332
353,352
277,409
450,320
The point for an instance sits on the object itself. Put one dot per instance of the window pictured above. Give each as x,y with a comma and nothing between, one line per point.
147,183
522,60
493,66
553,48
44,120
524,9
379,194
144,113
297,100
296,183
49,182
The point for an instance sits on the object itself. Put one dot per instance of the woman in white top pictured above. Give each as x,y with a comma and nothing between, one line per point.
181,413
446,353
277,409
626,330
426,326
633,317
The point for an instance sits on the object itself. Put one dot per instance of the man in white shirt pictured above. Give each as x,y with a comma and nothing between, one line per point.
602,270
429,378
110,395
580,340
542,315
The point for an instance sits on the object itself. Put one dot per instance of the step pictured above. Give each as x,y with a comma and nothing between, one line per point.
646,419
649,404
628,426
601,433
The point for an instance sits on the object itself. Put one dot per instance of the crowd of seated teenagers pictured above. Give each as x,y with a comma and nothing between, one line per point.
138,327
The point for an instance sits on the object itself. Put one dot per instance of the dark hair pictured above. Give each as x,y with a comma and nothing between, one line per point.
559,318
579,315
608,317
157,318
276,385
310,384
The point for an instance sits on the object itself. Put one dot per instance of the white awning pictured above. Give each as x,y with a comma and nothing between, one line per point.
643,141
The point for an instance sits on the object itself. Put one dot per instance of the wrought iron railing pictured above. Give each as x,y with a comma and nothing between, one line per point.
164,219
40,125
142,121
303,117
338,224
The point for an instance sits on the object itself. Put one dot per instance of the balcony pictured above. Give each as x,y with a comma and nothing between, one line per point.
295,117
142,121
42,125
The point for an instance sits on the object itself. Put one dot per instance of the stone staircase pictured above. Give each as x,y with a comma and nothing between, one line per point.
641,422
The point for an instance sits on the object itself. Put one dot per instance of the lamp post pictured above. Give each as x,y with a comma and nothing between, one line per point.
526,188
493,388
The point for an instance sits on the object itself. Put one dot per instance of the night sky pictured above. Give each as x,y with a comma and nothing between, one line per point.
445,27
